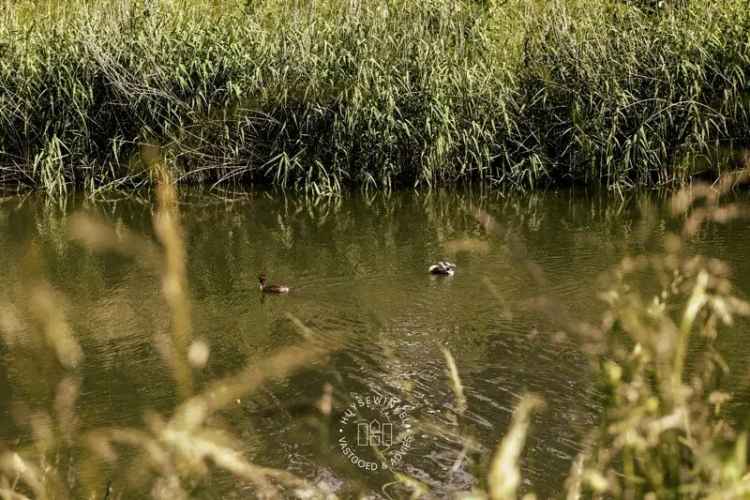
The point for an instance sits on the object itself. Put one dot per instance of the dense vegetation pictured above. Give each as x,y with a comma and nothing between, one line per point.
318,95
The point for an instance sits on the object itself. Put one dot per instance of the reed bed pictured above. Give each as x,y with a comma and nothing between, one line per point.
322,95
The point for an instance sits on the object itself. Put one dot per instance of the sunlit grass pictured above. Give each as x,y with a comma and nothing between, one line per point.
321,95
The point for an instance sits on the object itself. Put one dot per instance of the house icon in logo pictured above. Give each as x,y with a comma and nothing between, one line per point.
374,434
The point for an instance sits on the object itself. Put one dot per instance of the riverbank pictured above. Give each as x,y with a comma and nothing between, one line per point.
321,96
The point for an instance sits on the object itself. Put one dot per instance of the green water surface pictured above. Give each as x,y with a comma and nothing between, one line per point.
357,268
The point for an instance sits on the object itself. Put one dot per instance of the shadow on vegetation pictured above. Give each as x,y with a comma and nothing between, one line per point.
320,95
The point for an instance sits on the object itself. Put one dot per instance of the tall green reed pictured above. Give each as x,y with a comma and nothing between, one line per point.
321,95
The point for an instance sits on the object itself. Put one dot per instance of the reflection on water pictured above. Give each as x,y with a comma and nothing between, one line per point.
357,267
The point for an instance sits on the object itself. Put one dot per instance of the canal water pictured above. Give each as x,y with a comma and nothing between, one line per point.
357,267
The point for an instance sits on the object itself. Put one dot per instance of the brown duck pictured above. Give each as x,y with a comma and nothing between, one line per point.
265,287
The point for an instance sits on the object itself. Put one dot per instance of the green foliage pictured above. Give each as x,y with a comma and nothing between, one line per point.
665,431
625,100
319,95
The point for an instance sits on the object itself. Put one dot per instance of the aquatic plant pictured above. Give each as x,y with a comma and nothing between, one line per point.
321,95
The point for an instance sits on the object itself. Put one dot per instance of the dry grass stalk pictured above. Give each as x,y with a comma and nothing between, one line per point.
505,475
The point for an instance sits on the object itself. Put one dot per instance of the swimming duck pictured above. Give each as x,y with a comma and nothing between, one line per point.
443,267
266,288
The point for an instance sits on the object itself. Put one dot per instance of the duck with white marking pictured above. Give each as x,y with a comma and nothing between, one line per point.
443,268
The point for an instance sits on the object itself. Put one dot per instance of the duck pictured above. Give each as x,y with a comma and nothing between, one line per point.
443,267
266,288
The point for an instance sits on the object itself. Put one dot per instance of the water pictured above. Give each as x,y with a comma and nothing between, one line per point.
357,267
